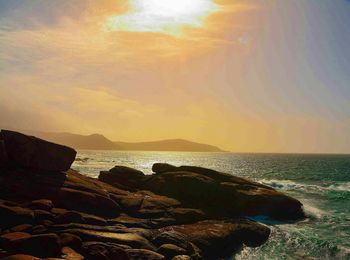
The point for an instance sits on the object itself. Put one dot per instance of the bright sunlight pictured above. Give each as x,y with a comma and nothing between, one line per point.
165,16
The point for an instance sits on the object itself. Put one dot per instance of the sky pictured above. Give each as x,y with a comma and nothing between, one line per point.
244,75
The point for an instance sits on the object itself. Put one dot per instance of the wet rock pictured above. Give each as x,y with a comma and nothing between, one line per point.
144,254
46,245
170,250
32,152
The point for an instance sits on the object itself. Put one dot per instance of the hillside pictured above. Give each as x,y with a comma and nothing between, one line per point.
100,142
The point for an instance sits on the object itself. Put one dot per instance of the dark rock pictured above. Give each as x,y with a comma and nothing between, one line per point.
163,167
86,202
6,239
46,245
41,204
39,229
122,176
68,216
32,152
20,257
222,238
12,216
170,250
220,194
144,254
98,250
187,215
171,237
70,240
21,228
41,215
3,154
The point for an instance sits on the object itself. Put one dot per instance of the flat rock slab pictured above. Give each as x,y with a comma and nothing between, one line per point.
129,239
32,152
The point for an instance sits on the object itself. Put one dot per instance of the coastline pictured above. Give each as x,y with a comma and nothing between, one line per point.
162,216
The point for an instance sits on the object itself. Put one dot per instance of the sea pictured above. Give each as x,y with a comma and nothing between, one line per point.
320,182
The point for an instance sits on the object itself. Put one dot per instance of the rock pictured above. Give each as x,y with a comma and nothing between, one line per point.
144,254
12,216
129,239
32,152
171,237
39,229
86,202
46,245
3,154
122,176
170,250
220,239
68,217
219,194
69,253
181,257
41,215
21,228
20,257
187,215
41,204
6,239
70,240
99,250
163,167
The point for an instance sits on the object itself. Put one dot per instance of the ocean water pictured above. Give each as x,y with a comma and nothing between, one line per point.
320,182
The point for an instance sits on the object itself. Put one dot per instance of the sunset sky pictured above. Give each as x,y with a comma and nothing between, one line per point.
245,75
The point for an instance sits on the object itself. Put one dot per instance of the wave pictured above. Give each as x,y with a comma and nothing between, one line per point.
291,185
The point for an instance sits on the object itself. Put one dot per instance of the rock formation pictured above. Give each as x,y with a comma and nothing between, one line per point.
50,211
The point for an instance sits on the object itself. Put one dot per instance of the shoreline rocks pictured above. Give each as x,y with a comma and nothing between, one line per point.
177,213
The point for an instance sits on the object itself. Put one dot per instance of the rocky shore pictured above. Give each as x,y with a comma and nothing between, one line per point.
49,211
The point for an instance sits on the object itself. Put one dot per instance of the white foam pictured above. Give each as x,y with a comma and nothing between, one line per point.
291,185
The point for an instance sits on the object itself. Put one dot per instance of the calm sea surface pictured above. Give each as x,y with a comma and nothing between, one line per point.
320,182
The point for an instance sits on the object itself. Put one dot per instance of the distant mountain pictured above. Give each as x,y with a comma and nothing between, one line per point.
99,142
169,145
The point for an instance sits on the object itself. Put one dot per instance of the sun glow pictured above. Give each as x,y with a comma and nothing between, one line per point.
162,16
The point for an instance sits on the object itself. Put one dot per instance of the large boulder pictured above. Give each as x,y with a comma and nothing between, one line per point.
220,194
215,239
122,176
32,152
